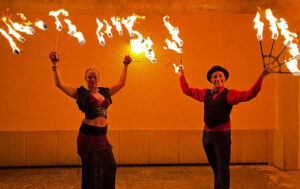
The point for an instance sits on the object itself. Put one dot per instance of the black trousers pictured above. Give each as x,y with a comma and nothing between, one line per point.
217,146
99,170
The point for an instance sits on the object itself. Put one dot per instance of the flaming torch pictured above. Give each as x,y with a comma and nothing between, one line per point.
16,50
289,37
176,44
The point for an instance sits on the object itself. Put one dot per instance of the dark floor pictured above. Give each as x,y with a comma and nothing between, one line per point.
157,177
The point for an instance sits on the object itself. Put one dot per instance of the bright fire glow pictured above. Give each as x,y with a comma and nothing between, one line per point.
13,32
41,25
116,21
14,47
259,26
140,45
56,14
72,31
108,29
25,29
272,21
99,33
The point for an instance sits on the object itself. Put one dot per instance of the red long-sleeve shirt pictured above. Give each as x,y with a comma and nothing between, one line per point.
233,98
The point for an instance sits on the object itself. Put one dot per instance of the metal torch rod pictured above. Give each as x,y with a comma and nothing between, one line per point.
279,64
270,54
262,53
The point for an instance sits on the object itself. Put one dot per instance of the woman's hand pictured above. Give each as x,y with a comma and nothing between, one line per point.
180,70
267,70
53,57
127,60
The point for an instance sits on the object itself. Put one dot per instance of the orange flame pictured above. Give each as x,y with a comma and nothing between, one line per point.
13,32
41,25
108,29
129,22
272,21
16,50
259,26
100,34
72,31
174,32
19,27
56,14
116,21
140,45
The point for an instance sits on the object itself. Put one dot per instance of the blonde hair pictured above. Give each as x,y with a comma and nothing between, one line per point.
89,70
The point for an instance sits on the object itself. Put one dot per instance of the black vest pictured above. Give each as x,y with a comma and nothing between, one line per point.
217,111
83,96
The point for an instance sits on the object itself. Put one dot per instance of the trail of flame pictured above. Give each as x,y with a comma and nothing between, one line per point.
259,26
13,32
14,47
116,21
19,27
72,31
56,14
108,29
99,33
41,25
272,21
129,22
173,31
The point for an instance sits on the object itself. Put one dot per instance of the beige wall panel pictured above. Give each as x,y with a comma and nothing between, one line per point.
12,149
191,148
41,148
67,148
253,146
234,146
134,147
164,147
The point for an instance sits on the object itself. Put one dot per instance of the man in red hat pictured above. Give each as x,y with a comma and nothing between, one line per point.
218,103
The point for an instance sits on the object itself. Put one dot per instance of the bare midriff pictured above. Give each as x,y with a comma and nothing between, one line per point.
100,121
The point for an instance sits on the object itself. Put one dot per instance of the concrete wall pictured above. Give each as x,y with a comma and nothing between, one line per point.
40,148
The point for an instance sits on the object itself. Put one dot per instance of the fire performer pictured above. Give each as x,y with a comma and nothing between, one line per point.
218,103
98,163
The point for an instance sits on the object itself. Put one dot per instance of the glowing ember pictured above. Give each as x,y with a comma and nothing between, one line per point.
272,21
108,29
72,31
16,50
56,14
13,32
259,26
129,22
41,25
116,21
22,16
99,33
25,29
